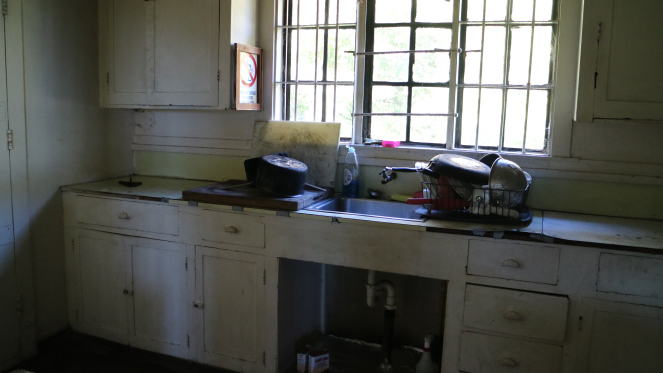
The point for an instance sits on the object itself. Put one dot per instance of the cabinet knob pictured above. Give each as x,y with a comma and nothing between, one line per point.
124,216
508,362
128,292
513,315
513,263
198,304
231,229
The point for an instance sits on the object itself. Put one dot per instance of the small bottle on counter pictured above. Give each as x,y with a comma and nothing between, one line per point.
351,174
318,361
426,364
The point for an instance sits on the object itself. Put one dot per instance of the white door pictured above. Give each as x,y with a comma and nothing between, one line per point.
100,279
9,323
620,337
230,309
158,301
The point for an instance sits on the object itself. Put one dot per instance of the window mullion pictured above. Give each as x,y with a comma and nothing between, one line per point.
529,77
483,38
315,66
287,59
410,73
505,77
453,74
325,58
297,59
338,11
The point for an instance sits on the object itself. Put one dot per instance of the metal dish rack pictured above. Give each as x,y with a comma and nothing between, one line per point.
469,203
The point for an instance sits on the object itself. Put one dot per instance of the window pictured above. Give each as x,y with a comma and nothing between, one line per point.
495,95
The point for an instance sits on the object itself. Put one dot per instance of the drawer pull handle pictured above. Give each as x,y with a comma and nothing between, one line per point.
198,304
231,229
124,216
514,316
511,263
508,362
128,292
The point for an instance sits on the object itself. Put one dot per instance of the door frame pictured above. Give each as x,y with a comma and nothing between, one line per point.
19,175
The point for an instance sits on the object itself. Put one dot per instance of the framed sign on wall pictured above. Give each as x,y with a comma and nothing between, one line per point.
248,77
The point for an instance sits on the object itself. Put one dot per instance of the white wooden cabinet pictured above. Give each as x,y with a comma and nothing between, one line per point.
129,290
171,53
620,337
621,67
230,309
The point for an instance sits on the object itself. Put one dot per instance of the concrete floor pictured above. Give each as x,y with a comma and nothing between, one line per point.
69,352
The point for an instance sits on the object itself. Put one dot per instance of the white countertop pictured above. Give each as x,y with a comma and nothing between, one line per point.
546,225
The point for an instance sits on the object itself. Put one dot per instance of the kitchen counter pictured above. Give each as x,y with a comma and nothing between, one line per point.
546,226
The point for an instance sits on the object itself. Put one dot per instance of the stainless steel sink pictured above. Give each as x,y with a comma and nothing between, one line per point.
368,207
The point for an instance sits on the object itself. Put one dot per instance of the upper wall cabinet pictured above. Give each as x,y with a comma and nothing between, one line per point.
171,53
621,72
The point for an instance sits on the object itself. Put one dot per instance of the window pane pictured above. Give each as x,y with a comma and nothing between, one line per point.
472,60
304,103
430,100
306,55
346,61
493,55
514,124
348,13
308,12
490,117
434,11
392,11
537,120
429,129
388,99
495,10
291,107
522,10
393,67
543,10
432,67
344,108
521,39
474,10
469,116
388,128
541,55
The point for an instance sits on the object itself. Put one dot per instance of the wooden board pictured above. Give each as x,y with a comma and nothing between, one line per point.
315,144
250,196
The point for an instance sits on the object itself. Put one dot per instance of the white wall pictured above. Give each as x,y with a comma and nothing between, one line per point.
69,139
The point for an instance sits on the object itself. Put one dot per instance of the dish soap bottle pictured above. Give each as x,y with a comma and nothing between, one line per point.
426,364
351,174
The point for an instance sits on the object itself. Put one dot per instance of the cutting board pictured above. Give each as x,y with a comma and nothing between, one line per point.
315,144
249,196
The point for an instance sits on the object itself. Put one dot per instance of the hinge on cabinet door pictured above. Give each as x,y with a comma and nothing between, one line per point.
264,359
10,139
5,7
598,33
579,323
218,75
188,341
186,264
264,277
107,78
19,306
73,247
596,77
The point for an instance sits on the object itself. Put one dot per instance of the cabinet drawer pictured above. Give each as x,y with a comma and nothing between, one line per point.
481,353
629,274
513,261
134,215
236,229
516,312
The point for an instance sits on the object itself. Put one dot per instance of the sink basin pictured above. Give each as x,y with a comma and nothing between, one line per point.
368,207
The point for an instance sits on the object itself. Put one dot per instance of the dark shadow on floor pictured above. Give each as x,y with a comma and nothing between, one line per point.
70,352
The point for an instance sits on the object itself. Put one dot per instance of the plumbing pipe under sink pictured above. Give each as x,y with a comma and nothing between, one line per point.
372,290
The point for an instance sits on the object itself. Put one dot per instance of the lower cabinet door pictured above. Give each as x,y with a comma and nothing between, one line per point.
620,337
481,353
157,306
230,309
97,266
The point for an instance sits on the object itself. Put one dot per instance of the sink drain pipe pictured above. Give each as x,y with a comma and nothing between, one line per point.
373,288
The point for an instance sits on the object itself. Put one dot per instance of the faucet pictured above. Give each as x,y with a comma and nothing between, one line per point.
387,178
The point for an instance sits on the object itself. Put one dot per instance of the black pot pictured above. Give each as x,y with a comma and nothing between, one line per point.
281,175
